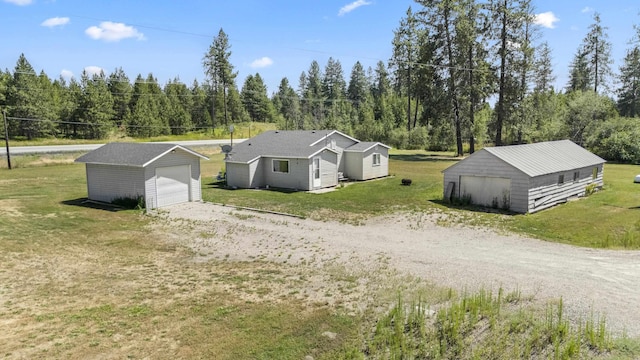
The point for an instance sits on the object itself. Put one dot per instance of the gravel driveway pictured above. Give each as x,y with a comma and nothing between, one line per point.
590,281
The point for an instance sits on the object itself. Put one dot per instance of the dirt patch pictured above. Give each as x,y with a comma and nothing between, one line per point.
591,282
11,207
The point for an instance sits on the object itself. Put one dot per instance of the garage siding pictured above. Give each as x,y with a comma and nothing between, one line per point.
482,163
546,191
180,157
108,182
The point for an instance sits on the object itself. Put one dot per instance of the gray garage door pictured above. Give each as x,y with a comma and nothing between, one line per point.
488,191
172,184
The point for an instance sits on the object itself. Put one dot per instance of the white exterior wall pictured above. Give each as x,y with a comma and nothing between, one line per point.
298,177
341,144
482,163
328,169
108,182
545,191
371,172
353,165
172,159
245,176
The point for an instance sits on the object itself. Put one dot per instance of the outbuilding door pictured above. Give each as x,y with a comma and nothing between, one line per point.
317,181
172,184
487,191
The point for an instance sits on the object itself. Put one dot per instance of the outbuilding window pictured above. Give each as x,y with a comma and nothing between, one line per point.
576,175
594,173
281,166
561,179
376,159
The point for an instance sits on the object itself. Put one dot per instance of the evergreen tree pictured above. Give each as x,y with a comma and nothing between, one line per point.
178,105
580,74
96,106
629,90
597,49
200,115
121,91
312,95
220,73
27,101
358,85
289,105
543,77
255,100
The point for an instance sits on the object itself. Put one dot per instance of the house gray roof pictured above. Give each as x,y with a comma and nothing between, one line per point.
364,146
285,144
131,154
546,157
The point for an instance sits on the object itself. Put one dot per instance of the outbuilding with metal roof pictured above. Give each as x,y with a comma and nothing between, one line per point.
158,173
524,178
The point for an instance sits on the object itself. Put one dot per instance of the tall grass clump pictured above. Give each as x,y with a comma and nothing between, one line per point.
485,325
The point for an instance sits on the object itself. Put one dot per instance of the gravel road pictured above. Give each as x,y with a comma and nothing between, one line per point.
590,281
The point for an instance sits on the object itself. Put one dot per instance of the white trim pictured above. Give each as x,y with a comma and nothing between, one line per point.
283,157
280,172
171,149
369,148
331,133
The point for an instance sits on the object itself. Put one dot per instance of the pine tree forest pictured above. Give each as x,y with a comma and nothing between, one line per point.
462,74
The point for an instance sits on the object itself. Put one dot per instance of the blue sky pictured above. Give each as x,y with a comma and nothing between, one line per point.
277,38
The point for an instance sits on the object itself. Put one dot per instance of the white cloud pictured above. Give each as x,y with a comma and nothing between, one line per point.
110,31
352,6
586,10
261,63
67,74
19,2
93,70
546,19
56,21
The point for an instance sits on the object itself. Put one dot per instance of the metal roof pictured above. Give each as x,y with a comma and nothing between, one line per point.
545,157
131,154
279,143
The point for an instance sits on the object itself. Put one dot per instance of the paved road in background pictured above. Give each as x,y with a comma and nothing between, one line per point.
53,149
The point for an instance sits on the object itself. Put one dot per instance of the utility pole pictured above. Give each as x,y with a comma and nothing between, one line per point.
6,138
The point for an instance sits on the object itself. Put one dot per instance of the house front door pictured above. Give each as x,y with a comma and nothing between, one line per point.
316,173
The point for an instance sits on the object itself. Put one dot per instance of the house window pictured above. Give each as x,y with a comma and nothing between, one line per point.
561,179
281,166
576,175
376,159
594,173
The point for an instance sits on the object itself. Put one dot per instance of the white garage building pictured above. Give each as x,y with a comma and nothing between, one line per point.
162,174
524,178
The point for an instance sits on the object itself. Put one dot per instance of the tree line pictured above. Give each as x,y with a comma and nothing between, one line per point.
462,74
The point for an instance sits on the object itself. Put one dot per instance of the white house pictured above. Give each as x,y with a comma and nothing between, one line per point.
524,178
304,160
162,174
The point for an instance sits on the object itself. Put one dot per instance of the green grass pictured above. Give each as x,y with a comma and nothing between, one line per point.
241,130
78,281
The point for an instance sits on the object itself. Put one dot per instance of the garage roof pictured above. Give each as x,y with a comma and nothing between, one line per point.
132,154
546,157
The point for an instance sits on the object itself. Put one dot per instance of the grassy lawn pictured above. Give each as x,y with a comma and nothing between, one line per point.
78,281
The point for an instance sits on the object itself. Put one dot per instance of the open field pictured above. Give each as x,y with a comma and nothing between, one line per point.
84,282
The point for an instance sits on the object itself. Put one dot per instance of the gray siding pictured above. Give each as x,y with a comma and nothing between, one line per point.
545,191
108,182
172,159
353,165
298,177
237,175
482,163
328,169
371,172
341,144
